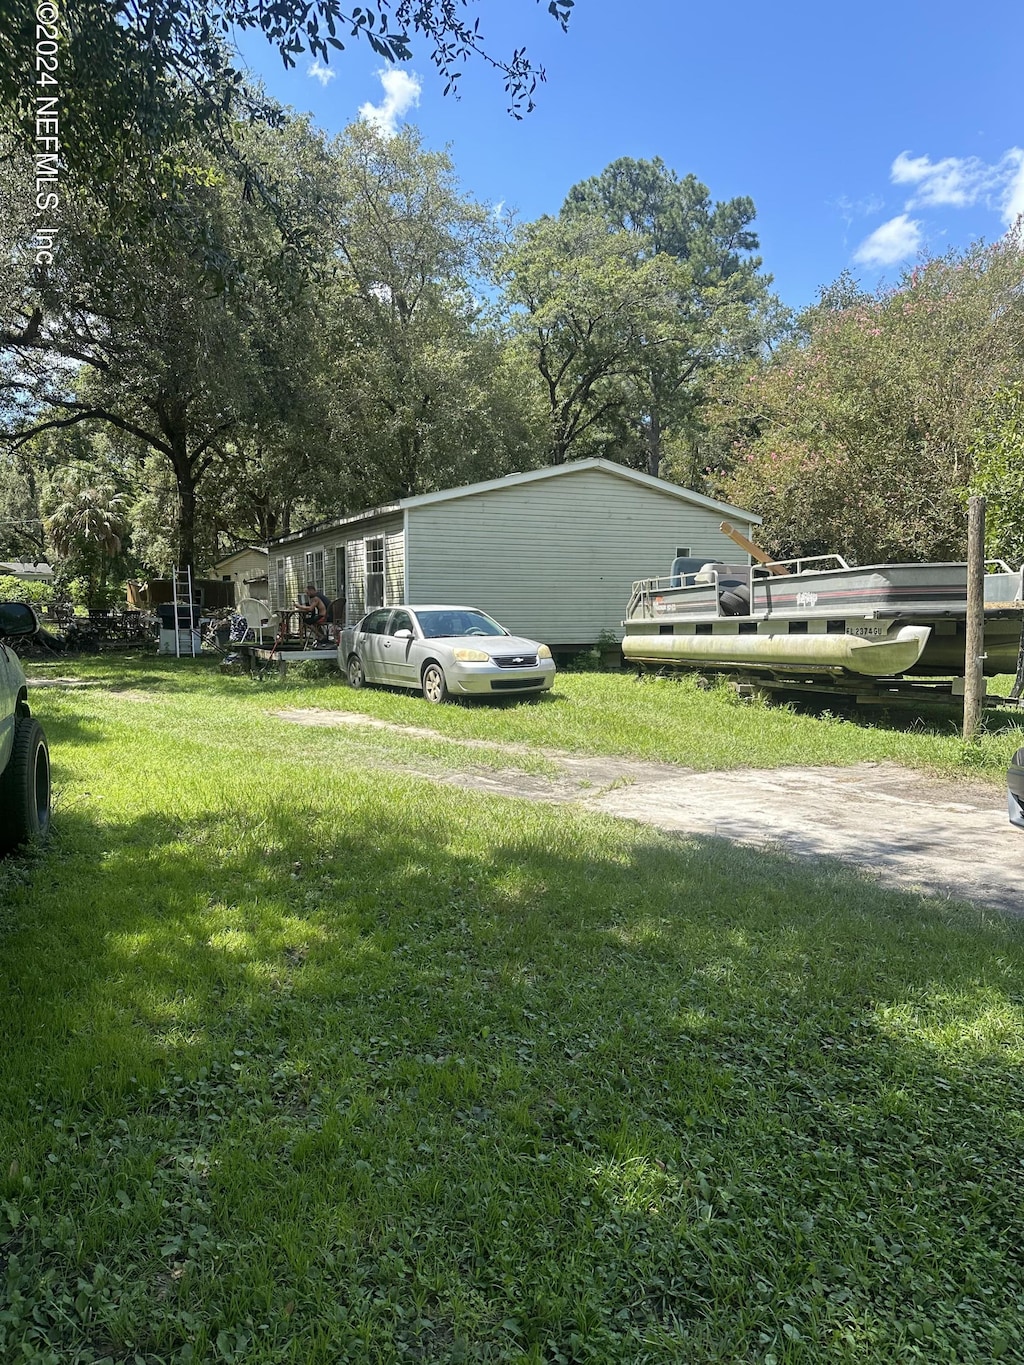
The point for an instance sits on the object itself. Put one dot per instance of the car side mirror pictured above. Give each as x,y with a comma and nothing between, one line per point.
403,634
1015,790
17,618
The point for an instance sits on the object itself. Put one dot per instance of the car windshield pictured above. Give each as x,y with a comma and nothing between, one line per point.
439,625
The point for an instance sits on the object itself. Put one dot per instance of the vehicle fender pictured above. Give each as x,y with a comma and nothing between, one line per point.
13,701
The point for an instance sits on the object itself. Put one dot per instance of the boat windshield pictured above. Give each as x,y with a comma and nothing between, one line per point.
440,625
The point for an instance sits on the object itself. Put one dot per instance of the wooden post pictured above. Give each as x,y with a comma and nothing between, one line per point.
755,551
974,648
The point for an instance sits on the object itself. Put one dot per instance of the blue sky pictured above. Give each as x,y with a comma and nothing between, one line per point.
866,134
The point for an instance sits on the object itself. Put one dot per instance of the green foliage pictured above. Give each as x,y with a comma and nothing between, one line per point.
136,80
87,526
421,395
193,308
266,366
585,304
77,591
855,436
317,670
19,590
626,302
998,451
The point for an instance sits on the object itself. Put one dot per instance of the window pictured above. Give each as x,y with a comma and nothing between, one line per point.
339,571
279,582
438,625
682,552
400,620
375,571
376,623
315,568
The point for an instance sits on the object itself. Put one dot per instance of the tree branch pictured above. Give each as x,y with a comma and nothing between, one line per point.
84,414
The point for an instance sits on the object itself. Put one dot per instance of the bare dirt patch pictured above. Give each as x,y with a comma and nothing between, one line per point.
944,837
63,682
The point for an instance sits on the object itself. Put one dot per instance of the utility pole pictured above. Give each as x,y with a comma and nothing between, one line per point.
974,647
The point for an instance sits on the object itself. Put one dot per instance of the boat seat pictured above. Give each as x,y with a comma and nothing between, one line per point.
704,575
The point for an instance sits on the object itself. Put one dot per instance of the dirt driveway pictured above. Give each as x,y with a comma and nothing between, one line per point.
939,836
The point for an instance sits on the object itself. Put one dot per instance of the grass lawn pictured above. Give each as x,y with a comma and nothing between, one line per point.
306,1061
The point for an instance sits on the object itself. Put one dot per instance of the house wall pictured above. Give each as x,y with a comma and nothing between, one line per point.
288,574
555,558
239,568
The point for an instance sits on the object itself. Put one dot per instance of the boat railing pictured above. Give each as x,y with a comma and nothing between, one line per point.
649,594
806,562
1004,587
648,591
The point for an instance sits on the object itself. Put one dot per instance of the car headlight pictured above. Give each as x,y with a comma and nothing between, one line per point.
543,652
471,656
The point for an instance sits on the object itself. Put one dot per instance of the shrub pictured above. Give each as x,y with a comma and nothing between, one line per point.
19,590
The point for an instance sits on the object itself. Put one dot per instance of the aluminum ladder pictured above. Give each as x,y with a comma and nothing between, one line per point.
181,594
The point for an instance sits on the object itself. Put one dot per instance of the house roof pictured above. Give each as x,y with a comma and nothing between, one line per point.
40,569
575,467
531,476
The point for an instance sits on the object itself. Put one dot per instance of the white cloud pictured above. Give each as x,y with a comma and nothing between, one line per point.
953,180
1013,204
401,93
321,73
961,181
893,242
849,209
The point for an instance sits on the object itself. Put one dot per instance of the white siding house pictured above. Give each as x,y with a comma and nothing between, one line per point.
247,570
551,554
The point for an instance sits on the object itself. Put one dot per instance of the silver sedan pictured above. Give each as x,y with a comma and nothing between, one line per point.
443,651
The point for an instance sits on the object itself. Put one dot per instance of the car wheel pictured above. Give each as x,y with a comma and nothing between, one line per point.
25,787
435,689
356,676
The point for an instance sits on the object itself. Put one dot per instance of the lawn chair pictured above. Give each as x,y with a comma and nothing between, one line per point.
336,618
256,615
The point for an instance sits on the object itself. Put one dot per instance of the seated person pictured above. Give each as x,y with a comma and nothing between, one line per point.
313,611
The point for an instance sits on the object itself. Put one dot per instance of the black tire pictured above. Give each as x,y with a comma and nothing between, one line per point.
735,600
356,674
435,689
25,787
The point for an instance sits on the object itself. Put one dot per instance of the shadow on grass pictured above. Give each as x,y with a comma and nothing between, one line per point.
155,905
67,730
547,1089
924,717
